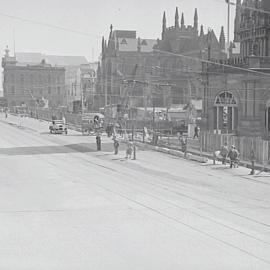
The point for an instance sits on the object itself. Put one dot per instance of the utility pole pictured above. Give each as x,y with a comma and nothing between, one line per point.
229,3
228,26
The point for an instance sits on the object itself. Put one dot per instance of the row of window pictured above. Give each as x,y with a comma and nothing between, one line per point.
33,78
40,91
249,34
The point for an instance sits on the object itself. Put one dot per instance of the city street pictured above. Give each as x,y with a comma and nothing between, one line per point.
63,205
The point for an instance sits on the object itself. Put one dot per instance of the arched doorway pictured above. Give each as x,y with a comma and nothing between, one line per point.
225,113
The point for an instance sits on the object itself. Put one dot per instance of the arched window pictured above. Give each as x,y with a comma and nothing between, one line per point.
225,113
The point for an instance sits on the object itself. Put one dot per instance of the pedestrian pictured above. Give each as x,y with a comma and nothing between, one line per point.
252,159
155,138
129,150
184,144
115,145
196,132
237,157
233,156
224,152
98,140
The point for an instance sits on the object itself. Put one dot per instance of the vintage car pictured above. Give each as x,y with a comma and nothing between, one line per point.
58,127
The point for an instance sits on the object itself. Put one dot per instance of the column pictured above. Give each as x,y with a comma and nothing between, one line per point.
217,118
233,108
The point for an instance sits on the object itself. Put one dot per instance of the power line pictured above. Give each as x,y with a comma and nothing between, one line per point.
48,25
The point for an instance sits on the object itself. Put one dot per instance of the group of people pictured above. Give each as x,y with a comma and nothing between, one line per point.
130,148
129,151
232,154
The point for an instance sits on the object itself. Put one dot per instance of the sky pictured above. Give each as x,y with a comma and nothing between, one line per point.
93,19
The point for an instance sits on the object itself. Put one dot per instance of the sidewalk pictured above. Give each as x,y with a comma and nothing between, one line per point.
197,155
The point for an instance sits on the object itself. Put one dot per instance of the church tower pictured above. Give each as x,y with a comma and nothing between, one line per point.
222,39
196,20
182,21
163,26
176,22
202,31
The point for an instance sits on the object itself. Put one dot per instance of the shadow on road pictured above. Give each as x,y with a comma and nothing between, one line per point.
54,149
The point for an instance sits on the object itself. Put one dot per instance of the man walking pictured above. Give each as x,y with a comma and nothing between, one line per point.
224,152
234,157
196,132
115,145
252,159
98,140
129,150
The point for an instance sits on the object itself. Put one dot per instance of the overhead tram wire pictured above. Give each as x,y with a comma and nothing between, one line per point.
48,25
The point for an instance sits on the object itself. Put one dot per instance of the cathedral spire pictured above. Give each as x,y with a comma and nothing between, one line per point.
222,39
182,21
196,20
111,29
102,45
202,31
163,25
176,23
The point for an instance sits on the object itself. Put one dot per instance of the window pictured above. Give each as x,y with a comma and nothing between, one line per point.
12,90
58,90
225,112
49,90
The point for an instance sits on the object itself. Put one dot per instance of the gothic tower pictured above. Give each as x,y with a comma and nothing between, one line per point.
202,31
222,39
176,23
196,20
182,21
163,26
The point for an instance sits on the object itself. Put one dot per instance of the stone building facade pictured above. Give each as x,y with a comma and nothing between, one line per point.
237,96
27,85
166,71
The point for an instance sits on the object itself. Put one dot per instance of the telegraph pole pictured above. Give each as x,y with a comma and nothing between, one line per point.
229,3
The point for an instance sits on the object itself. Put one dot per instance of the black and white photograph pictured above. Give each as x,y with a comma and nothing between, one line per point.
135,135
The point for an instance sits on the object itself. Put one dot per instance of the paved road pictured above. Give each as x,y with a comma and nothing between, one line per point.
65,206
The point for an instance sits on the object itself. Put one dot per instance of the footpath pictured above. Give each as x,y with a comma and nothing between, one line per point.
196,155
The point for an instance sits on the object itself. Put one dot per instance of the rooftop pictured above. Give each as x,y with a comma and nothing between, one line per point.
54,60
